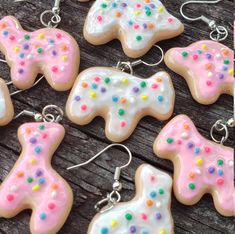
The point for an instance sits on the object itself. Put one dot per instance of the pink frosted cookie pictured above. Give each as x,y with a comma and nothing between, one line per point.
207,66
33,184
138,24
201,166
122,99
6,107
149,212
51,52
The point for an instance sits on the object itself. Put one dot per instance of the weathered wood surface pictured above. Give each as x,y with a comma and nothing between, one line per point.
80,143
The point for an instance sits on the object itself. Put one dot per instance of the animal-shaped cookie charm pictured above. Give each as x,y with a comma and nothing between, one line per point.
207,66
32,183
138,24
49,51
6,107
122,99
149,212
201,166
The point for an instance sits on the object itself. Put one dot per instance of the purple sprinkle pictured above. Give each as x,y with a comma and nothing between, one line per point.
21,71
39,173
152,6
145,26
211,170
190,145
33,140
220,76
26,47
133,229
77,98
103,90
136,89
124,4
208,56
54,53
158,216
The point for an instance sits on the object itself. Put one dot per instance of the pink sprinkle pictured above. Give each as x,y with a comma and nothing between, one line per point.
152,178
220,181
209,83
44,136
179,142
54,69
138,5
170,20
195,57
97,79
59,35
10,197
99,18
123,124
12,38
51,206
84,107
154,86
207,149
22,63
136,26
144,216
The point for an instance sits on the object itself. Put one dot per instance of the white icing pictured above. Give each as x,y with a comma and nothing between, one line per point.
137,207
2,104
159,18
103,103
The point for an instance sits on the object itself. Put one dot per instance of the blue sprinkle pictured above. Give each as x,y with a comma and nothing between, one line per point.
130,23
22,55
41,181
224,68
144,232
38,150
115,98
94,85
153,194
197,150
5,33
199,51
51,41
104,230
43,216
114,5
160,98
220,172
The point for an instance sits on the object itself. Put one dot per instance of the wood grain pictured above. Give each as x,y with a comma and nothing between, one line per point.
91,183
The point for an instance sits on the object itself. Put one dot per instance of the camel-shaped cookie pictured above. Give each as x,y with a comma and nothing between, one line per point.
201,166
149,212
6,107
138,24
207,66
122,99
52,52
33,184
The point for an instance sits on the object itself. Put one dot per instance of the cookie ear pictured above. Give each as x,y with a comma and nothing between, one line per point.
9,22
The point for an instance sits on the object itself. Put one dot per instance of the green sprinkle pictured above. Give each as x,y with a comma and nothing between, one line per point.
148,13
42,127
143,84
139,38
128,216
103,5
184,54
121,112
40,50
29,179
26,37
226,61
192,186
170,140
161,191
220,162
107,80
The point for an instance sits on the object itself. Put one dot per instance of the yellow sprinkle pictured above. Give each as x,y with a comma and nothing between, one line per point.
114,223
231,72
36,187
41,36
125,81
204,46
160,9
65,58
144,97
137,13
17,49
32,161
199,161
162,231
93,94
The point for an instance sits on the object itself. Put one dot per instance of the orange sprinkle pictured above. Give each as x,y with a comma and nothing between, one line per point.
118,14
84,85
3,25
149,202
191,175
123,100
64,47
208,66
54,186
225,51
186,126
20,174
159,79
28,130
150,25
147,1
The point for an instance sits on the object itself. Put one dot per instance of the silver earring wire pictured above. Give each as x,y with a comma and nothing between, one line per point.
218,33
114,197
128,66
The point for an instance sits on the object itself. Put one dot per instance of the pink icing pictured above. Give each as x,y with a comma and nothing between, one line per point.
52,52
52,201
210,63
204,166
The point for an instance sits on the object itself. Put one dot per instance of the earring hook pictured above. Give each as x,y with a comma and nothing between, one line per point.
218,33
114,197
128,66
55,11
